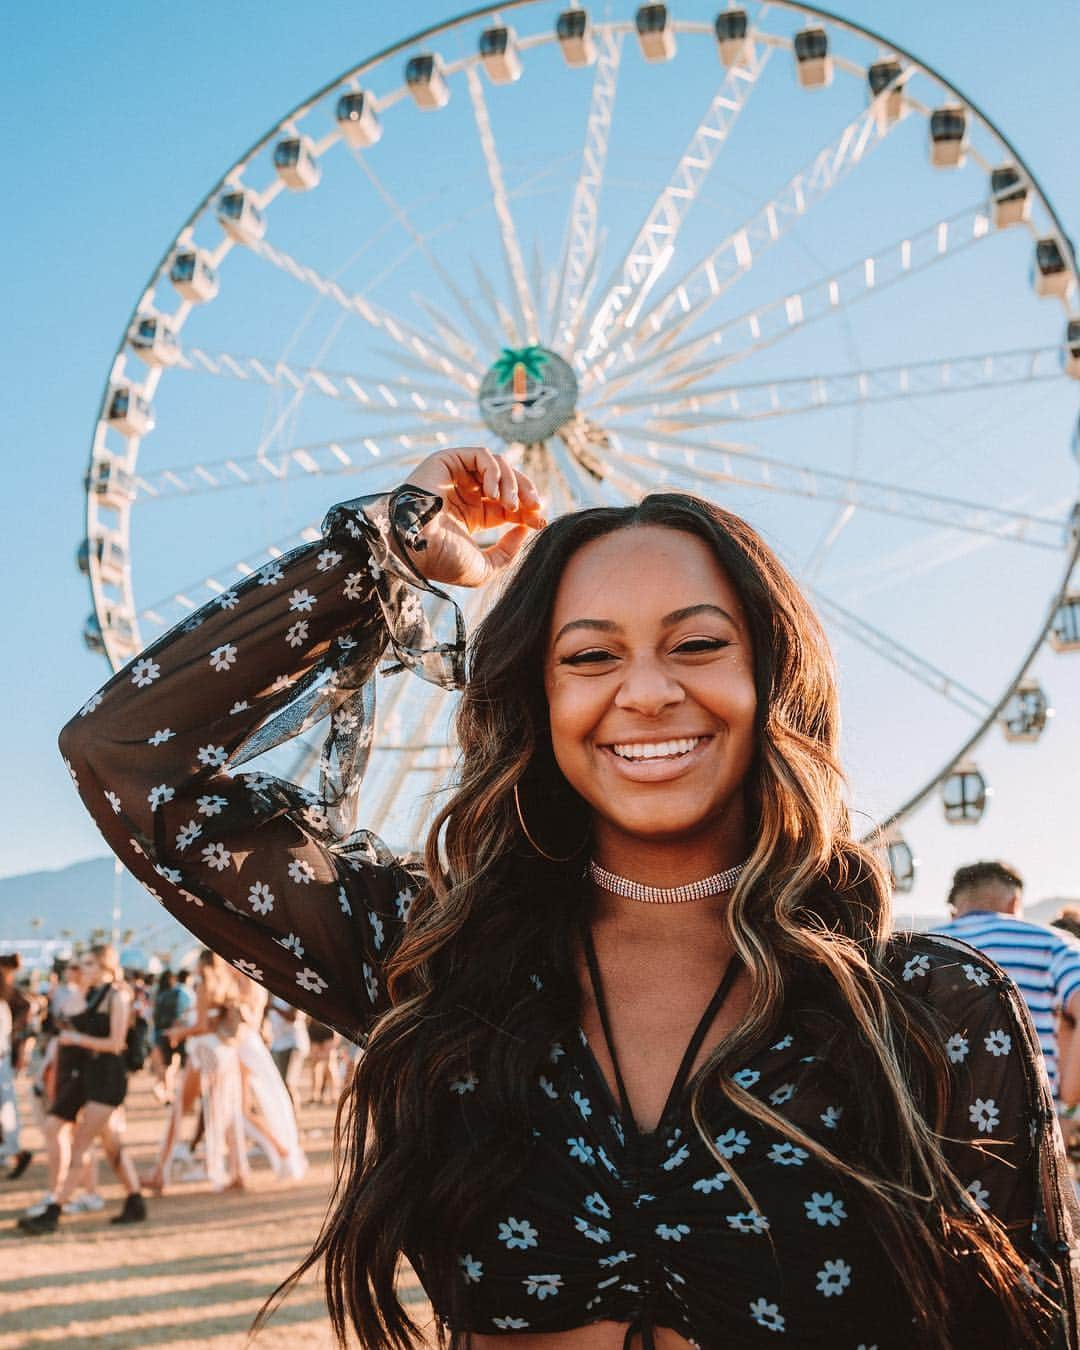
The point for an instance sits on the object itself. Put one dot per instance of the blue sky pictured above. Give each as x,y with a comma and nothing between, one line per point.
122,116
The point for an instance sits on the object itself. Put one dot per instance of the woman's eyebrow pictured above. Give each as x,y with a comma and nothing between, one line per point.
668,621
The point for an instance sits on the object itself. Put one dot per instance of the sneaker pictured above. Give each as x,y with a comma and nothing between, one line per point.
87,1203
134,1210
39,1207
46,1222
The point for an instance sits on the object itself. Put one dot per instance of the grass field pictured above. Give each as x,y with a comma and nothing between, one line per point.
191,1278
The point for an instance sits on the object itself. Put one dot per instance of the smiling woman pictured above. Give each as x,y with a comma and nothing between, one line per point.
645,1066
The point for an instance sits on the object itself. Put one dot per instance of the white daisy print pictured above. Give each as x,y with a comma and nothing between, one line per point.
292,944
302,601
403,904
261,898
144,672
114,801
271,574
297,634
984,1114
466,1083
767,1315
241,705
918,965
998,1042
824,1208
732,1142
979,1194
248,968
217,856
509,1323
228,599
371,983
213,756
221,658
327,559
171,874
472,1270
159,795
788,1155
301,871
160,737
311,981
356,584
833,1278
376,928
211,805
187,834
517,1234
94,701
956,1047
975,975
343,901
750,1222
542,1286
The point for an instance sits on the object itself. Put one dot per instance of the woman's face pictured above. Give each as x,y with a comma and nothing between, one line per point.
91,970
73,974
650,686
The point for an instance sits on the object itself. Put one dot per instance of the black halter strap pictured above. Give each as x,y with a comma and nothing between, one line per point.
700,1031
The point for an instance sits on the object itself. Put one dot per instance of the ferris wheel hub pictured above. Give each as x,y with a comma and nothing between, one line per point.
528,394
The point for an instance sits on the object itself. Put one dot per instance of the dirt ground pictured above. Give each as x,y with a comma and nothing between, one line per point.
192,1277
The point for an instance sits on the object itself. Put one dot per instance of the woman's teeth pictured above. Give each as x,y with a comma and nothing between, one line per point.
657,749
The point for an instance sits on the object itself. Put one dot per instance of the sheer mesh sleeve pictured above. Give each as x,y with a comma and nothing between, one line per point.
271,875
1001,1135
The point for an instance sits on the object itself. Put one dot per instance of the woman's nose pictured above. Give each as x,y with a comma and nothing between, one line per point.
648,688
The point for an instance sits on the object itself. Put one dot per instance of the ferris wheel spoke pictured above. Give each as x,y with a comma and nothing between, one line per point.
786,398
481,330
419,346
515,265
714,274
889,649
499,311
653,246
772,322
580,236
344,386
719,464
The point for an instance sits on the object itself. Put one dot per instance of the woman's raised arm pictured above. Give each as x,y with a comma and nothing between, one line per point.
269,874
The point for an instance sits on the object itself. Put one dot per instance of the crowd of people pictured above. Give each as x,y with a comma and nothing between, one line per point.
227,1069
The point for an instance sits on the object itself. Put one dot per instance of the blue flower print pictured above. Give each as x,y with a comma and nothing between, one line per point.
593,1234
509,1323
582,1104
732,1142
672,1232
830,1117
783,1094
643,1199
517,1234
750,1222
596,1204
784,1043
582,1151
608,1164
824,1209
677,1159
833,1278
617,1129
548,1088
767,1315
542,1286
466,1083
788,1155
472,1271
617,1259
745,1078
709,1184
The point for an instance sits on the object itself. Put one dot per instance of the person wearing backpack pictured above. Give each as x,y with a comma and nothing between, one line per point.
92,1094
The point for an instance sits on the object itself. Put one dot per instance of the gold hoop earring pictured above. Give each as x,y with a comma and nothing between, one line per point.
525,831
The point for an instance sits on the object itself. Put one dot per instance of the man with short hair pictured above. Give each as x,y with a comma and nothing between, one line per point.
986,899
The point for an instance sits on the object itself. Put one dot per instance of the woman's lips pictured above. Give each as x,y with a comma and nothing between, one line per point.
660,768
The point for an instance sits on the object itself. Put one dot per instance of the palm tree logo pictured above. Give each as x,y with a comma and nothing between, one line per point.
516,366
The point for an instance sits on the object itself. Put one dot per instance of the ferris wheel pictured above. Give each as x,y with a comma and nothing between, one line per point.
762,254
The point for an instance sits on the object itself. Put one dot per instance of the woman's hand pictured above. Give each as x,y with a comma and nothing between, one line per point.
480,491
68,1037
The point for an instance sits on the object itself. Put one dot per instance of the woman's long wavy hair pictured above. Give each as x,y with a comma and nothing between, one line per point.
810,913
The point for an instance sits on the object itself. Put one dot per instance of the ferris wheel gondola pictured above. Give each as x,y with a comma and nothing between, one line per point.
626,339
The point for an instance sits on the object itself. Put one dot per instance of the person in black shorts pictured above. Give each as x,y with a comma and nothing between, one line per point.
91,1092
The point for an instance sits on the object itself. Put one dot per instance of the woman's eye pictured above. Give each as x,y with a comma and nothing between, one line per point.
702,644
592,657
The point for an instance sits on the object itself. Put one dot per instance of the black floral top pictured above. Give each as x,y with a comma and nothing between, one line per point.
605,1223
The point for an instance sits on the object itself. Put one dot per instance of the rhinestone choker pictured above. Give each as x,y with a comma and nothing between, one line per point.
665,895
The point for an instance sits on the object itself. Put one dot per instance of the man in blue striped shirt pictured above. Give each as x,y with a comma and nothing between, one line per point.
987,901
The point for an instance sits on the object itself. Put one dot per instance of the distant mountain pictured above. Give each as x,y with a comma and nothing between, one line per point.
72,901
